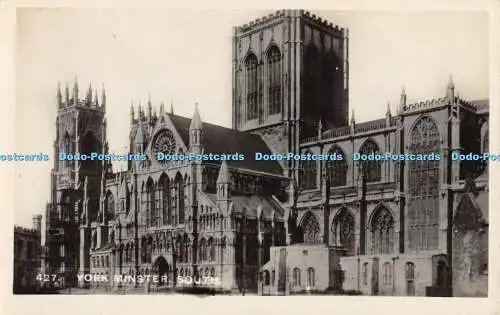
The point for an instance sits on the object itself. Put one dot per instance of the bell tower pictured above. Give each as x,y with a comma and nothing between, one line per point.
75,181
290,72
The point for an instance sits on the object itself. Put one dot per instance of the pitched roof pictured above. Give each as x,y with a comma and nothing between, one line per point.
221,140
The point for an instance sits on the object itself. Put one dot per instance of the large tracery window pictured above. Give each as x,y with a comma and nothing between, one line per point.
166,209
274,80
382,232
343,230
251,65
179,189
310,230
423,211
151,203
371,169
336,170
110,206
308,173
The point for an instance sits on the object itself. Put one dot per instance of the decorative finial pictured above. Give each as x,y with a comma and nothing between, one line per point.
171,107
66,94
96,99
353,119
59,95
103,96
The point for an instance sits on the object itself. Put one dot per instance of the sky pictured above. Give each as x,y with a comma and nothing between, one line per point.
184,56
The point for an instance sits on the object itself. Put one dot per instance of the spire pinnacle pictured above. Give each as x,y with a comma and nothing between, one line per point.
353,119
59,95
450,82
171,107
66,93
196,121
162,108
96,98
388,112
402,101
223,177
103,96
75,91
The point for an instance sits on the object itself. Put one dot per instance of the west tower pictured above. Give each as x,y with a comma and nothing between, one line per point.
290,77
75,184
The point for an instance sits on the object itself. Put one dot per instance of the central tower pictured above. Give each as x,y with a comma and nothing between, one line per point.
290,72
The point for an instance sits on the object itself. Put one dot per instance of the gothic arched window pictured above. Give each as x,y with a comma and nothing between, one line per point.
410,278
336,170
343,230
166,210
310,230
251,64
203,250
423,211
382,232
211,249
372,169
296,277
387,274
151,203
179,188
274,80
308,173
311,277
110,206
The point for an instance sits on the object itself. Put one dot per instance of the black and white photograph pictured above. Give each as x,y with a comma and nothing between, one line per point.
283,152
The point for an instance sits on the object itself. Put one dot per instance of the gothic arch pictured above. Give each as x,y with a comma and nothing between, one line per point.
165,199
425,117
151,202
110,206
336,170
382,227
180,196
308,173
274,70
343,228
310,229
372,170
251,84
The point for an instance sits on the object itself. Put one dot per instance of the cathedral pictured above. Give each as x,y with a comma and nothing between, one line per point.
374,227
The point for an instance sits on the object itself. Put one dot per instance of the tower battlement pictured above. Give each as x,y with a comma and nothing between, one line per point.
281,14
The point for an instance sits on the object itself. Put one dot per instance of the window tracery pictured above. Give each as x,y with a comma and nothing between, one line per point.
308,173
336,170
251,65
372,169
423,211
310,228
382,232
274,80
343,228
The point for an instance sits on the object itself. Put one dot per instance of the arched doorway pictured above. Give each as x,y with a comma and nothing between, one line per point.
160,268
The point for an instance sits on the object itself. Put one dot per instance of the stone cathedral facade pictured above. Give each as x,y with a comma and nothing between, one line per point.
279,227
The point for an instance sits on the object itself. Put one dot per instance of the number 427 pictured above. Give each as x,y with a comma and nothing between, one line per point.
46,277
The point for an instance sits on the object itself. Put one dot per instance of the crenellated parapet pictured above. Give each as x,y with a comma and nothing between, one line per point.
262,22
26,231
424,105
318,21
279,15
